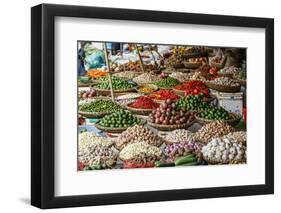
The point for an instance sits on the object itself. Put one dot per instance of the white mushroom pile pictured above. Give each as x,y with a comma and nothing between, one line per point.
224,151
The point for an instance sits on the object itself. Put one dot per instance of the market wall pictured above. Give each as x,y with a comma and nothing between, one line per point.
15,94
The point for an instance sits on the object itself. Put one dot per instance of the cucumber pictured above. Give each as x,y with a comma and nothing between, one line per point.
86,168
190,164
96,167
186,159
164,164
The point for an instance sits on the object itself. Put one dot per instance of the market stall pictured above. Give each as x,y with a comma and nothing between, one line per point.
181,106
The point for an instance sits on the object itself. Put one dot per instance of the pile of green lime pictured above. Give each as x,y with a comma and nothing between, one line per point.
120,119
192,102
215,113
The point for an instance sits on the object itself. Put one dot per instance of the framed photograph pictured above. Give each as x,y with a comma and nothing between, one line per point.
136,106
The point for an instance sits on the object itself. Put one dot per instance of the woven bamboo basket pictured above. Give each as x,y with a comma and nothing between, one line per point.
235,119
107,92
241,82
113,130
152,86
139,111
80,84
229,75
226,163
163,127
177,65
93,114
223,88
192,65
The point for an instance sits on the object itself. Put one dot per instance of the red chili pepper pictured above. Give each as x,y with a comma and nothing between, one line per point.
163,95
193,88
131,165
144,103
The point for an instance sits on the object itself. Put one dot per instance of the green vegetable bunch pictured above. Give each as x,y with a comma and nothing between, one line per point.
100,106
167,83
119,119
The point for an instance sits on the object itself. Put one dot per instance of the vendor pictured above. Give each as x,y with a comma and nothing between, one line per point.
81,56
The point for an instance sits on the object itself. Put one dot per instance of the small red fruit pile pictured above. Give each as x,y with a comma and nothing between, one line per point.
168,114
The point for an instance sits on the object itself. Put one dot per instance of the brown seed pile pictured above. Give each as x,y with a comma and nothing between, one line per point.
213,130
135,134
239,136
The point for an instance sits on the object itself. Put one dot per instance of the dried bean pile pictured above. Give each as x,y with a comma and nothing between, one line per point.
179,135
181,77
213,130
229,70
128,75
146,78
135,134
225,81
140,152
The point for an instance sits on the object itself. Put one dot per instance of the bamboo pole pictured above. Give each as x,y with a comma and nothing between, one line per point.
151,52
140,59
109,72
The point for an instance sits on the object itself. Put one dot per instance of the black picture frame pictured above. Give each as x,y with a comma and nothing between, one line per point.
43,117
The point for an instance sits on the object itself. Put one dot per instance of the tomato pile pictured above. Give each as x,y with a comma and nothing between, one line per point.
194,87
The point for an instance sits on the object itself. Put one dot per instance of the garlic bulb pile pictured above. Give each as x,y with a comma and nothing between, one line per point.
88,138
239,136
224,151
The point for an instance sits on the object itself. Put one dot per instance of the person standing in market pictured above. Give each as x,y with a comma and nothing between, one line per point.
81,56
